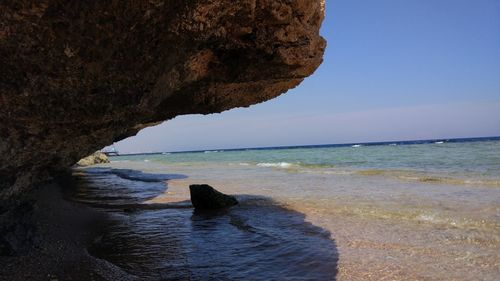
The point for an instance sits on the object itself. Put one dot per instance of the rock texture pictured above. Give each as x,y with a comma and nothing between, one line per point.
76,76
205,197
95,158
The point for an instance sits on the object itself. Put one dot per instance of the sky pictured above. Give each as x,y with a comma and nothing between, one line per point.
392,70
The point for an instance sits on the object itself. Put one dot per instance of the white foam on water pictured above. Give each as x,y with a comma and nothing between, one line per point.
276,165
427,218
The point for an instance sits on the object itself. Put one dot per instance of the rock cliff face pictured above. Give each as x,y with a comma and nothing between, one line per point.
76,76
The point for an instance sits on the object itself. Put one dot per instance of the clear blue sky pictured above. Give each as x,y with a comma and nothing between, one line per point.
393,70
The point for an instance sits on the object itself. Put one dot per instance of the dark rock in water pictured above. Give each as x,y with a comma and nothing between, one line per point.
76,76
205,197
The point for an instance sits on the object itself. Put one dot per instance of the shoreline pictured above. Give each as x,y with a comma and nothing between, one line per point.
166,238
371,246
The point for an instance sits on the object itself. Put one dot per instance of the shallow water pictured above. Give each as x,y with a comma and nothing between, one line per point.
256,240
399,212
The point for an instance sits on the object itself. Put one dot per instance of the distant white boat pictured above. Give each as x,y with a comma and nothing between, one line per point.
439,142
357,145
110,151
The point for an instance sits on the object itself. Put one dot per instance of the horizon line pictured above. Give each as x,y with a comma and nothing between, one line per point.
369,143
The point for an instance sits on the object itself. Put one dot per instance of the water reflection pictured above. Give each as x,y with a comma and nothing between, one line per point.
256,240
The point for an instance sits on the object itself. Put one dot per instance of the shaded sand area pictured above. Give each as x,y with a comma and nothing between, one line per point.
54,237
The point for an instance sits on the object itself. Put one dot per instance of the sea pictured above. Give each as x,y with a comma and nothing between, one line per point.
403,210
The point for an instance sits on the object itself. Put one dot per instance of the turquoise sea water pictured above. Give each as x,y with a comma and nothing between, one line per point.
424,211
461,162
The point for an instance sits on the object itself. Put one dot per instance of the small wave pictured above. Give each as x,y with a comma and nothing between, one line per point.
165,153
145,177
119,161
285,165
134,175
276,165
393,144
429,218
211,151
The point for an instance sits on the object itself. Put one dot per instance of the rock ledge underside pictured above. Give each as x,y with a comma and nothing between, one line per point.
76,76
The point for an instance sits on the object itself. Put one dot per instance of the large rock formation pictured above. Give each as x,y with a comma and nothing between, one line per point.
76,76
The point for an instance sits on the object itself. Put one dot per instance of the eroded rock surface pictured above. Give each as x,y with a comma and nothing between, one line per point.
76,76
95,158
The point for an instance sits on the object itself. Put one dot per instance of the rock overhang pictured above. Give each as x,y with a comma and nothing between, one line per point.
77,76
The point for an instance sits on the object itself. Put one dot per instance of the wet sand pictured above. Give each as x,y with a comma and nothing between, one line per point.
177,192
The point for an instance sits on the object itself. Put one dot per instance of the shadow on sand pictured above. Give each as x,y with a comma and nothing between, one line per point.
255,240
